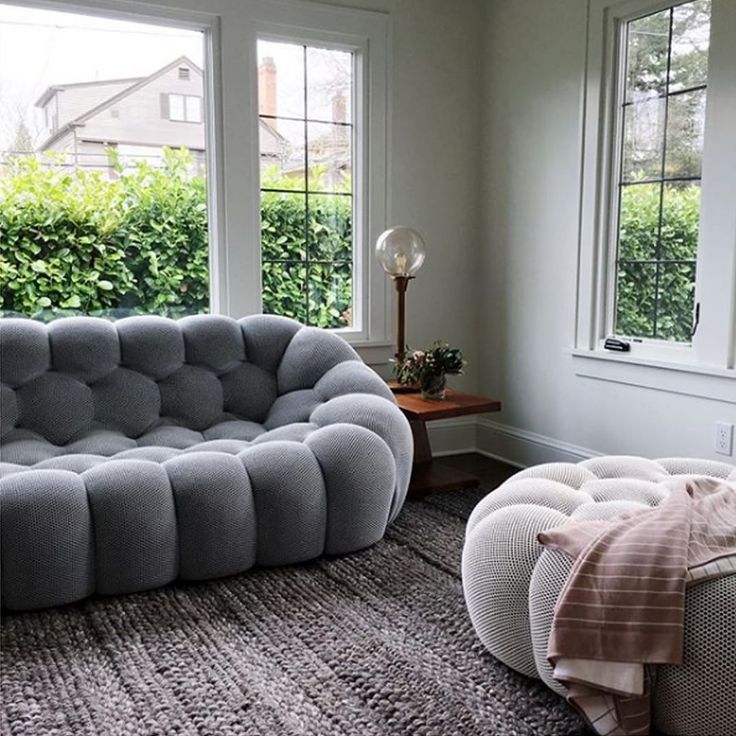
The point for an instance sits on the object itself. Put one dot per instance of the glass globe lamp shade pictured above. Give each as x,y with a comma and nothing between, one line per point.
400,251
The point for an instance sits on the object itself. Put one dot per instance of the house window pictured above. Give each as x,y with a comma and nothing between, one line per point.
184,72
661,123
657,259
306,153
185,108
51,115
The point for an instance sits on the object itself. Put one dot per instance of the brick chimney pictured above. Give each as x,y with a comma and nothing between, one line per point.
267,89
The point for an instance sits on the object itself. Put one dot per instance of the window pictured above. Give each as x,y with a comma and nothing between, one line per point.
306,135
184,72
101,213
130,156
657,259
334,171
661,122
185,108
51,115
322,138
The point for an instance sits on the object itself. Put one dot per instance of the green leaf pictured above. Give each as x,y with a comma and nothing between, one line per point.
73,302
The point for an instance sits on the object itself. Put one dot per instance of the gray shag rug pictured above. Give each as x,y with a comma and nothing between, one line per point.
378,642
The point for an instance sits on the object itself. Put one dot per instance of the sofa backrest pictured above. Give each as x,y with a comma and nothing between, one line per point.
61,379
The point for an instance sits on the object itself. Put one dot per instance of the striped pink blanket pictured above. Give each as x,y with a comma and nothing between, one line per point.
622,608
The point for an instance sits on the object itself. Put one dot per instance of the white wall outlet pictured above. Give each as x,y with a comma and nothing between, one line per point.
724,438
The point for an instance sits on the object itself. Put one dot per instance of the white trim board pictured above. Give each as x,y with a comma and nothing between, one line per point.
453,436
512,445
523,448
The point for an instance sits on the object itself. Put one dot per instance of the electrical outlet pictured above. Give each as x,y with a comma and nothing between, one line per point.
724,438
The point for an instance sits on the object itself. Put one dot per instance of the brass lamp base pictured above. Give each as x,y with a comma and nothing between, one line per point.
401,283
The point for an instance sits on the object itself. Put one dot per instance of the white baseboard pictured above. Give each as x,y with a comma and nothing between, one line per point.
453,436
523,448
518,447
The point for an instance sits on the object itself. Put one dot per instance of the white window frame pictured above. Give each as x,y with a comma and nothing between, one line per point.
230,112
366,35
707,367
358,47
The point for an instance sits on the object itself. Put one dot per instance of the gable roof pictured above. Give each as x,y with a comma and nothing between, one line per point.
135,87
138,83
48,93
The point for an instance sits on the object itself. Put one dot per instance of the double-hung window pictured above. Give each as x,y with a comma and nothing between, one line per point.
658,226
185,108
315,105
306,155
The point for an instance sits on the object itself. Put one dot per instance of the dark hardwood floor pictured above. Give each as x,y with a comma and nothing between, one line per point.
491,472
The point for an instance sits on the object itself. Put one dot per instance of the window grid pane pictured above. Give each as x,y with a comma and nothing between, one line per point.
659,186
194,109
306,184
176,107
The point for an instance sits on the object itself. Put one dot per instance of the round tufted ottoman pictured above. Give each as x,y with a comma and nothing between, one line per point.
141,451
511,582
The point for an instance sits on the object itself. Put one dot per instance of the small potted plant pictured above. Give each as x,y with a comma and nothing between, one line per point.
428,369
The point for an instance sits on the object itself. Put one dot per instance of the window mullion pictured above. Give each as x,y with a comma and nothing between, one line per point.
658,275
239,268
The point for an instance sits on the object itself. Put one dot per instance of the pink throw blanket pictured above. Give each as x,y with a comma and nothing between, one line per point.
622,608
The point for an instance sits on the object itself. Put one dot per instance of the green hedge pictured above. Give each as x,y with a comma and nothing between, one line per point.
76,242
307,261
647,291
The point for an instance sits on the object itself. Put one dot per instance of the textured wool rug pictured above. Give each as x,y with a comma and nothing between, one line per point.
378,642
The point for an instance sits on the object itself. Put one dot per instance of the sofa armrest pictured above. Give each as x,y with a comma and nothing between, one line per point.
381,416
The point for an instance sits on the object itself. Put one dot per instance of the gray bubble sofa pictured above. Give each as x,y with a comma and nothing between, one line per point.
147,450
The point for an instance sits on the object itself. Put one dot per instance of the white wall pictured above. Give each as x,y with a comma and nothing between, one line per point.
534,55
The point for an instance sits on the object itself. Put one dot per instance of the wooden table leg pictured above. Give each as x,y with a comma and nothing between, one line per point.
431,476
422,449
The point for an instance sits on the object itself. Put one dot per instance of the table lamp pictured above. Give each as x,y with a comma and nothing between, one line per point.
400,250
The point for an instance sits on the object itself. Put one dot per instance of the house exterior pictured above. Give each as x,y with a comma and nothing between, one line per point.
135,116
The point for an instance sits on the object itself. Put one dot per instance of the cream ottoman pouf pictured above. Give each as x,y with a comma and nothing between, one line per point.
511,582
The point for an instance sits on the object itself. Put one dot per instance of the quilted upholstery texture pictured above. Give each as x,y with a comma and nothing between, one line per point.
142,451
511,582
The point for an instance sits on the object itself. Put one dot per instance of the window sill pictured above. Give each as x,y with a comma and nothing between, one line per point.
373,353
702,381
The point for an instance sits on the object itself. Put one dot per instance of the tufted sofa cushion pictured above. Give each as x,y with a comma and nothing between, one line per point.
141,451
511,582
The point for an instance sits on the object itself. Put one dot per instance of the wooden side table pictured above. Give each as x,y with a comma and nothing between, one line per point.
430,475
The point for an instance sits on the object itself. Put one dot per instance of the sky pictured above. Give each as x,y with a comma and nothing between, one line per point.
40,48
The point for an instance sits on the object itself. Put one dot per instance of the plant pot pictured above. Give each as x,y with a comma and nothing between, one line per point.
435,387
